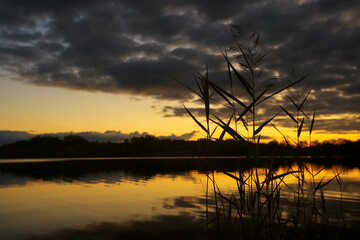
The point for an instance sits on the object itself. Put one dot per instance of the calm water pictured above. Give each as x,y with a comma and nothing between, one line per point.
41,197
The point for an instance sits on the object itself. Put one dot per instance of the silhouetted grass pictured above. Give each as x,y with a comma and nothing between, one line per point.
256,211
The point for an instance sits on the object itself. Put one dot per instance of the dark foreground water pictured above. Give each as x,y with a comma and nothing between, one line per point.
43,199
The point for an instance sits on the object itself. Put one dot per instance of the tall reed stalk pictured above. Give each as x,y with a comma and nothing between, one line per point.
255,210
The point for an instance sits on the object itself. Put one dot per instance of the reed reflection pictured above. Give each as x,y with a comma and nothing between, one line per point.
302,198
51,197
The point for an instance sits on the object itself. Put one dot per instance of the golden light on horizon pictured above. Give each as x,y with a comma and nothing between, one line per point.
49,110
39,110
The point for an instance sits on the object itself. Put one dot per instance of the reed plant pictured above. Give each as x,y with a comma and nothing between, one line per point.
256,209
297,96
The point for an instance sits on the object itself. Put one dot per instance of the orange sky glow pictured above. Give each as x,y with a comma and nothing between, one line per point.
39,110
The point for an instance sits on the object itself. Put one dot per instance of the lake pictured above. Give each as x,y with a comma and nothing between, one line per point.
50,196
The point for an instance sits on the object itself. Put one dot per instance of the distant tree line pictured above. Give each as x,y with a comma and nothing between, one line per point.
76,146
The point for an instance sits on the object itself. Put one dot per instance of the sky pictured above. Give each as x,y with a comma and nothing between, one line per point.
106,68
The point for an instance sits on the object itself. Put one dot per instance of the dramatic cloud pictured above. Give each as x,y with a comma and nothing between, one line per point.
108,136
137,46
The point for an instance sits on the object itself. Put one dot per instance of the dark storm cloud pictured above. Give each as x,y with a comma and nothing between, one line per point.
7,137
149,77
133,46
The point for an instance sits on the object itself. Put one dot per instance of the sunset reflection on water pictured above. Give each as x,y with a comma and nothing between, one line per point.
34,204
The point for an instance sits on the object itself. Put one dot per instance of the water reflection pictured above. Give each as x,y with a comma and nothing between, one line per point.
44,197
159,227
341,195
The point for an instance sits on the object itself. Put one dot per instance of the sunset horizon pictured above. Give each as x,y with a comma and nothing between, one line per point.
95,112
105,66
